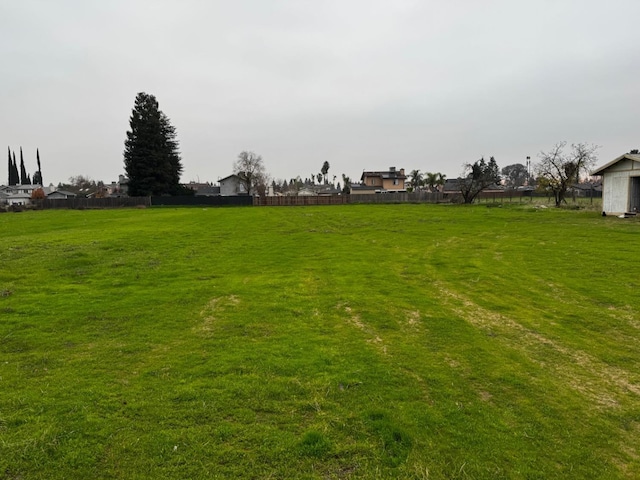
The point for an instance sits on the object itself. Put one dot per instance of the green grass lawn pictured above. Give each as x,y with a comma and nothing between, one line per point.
385,341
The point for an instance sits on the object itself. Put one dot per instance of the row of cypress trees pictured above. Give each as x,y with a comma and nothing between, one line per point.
22,177
151,156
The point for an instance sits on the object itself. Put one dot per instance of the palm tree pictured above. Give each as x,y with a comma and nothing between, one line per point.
434,181
416,180
430,180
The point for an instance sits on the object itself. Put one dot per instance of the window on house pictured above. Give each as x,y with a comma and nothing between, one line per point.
395,181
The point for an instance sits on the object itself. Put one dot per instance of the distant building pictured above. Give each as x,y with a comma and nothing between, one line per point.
231,185
60,194
620,184
204,189
119,188
18,198
391,180
19,195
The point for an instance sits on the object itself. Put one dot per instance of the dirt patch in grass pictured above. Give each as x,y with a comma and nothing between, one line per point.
601,383
485,396
208,314
354,319
413,318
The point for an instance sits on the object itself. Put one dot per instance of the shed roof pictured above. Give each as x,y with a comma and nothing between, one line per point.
626,156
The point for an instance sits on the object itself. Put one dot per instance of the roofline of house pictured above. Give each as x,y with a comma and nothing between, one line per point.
599,171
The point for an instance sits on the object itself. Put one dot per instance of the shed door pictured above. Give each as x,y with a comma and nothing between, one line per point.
634,194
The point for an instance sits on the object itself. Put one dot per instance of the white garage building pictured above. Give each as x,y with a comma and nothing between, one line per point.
621,184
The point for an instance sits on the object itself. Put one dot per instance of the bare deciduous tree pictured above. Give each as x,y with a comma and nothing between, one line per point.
557,171
250,170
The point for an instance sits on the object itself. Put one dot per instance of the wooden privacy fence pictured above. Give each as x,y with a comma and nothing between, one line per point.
404,197
503,196
213,201
506,196
292,201
400,197
82,203
123,202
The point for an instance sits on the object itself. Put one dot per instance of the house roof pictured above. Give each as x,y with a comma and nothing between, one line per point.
359,187
18,195
62,192
626,156
16,188
596,186
391,173
233,175
451,185
207,190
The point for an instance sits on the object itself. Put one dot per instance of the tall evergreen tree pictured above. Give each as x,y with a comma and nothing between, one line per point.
24,178
151,157
14,171
10,169
14,177
37,177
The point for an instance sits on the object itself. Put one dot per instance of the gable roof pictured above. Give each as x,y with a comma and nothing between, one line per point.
233,175
626,156
385,174
18,195
61,192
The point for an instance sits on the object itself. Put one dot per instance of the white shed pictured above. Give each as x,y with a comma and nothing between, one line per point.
620,184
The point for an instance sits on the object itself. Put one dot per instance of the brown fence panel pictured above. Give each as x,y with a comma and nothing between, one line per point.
293,201
400,197
82,203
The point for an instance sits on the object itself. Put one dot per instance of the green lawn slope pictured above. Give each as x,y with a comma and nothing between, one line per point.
385,341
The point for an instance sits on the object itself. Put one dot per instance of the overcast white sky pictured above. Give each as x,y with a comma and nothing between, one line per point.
363,84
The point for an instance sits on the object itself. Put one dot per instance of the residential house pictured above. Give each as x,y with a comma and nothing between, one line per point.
204,189
620,184
17,194
588,189
4,195
26,189
15,198
231,185
119,188
56,194
391,180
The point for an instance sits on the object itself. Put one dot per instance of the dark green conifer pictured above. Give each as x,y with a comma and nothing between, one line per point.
37,177
10,169
24,178
151,156
15,176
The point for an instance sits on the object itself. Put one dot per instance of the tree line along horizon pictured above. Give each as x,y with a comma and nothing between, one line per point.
153,165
